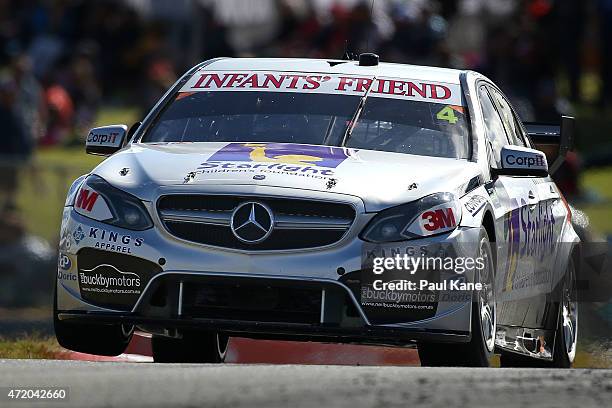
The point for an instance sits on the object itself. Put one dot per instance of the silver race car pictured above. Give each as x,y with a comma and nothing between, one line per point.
332,201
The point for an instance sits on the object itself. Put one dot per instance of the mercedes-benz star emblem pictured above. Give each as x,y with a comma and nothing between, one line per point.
252,222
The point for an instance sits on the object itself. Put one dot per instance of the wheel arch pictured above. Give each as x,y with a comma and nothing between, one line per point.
489,225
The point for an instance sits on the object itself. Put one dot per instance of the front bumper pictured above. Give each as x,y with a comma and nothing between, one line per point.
274,331
173,262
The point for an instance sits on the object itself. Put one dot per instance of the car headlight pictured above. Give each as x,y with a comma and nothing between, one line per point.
431,215
98,200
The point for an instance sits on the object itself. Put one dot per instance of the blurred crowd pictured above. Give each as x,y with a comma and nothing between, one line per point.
62,59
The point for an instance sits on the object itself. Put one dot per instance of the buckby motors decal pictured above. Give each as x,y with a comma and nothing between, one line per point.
112,280
107,278
110,285
280,158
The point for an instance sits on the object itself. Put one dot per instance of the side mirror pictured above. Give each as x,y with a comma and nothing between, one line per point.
105,140
555,141
522,161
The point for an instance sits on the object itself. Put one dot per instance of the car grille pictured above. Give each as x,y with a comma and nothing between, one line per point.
252,302
298,224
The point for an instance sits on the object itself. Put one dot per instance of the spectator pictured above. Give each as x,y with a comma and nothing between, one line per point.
28,102
21,106
60,115
128,50
12,147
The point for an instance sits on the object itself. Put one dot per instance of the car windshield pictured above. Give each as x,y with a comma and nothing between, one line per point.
385,124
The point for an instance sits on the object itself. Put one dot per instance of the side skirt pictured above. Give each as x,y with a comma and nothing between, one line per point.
536,343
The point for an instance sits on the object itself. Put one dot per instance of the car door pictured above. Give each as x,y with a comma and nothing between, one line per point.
517,201
541,228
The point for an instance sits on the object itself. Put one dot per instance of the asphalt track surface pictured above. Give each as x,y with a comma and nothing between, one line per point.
230,385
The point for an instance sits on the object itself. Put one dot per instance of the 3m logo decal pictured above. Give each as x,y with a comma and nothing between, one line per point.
86,199
438,219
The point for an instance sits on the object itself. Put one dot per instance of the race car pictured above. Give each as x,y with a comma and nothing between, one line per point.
348,201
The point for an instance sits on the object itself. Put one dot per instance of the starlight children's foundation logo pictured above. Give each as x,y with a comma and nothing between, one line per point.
289,158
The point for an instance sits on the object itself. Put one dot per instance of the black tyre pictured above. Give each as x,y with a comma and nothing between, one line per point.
193,347
566,331
102,340
566,336
479,351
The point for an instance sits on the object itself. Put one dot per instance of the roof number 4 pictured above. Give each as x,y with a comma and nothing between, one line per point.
447,114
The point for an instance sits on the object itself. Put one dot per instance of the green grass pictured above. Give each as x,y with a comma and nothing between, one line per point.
117,116
592,359
599,181
30,347
44,184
